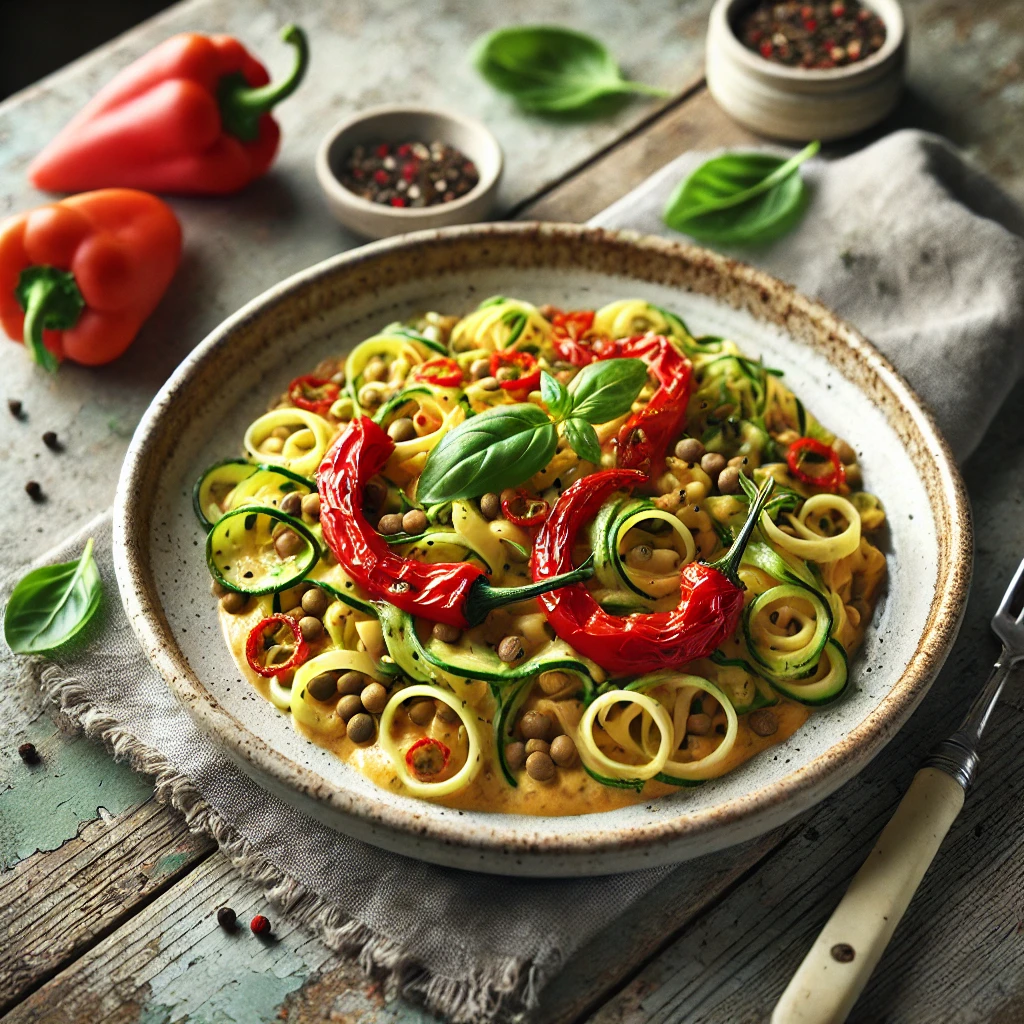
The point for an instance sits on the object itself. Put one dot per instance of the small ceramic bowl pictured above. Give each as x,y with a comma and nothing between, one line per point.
396,124
797,104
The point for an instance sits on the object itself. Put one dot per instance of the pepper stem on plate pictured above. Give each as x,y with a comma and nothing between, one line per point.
483,598
51,300
729,563
242,105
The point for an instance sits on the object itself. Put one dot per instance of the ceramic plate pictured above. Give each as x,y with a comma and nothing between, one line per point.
201,414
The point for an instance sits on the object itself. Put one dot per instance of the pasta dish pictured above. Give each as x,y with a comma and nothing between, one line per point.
542,561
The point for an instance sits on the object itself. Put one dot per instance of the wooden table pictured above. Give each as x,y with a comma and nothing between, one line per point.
107,900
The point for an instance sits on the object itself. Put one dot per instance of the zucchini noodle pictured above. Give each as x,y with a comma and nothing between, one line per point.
304,449
542,728
599,713
810,544
464,775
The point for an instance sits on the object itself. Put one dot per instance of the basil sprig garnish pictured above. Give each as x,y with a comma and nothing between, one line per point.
505,446
52,604
552,70
741,198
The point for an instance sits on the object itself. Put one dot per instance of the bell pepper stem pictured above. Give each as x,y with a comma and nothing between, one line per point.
51,299
729,563
242,105
483,598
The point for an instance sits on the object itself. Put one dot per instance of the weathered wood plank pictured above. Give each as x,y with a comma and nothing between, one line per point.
172,961
958,954
55,905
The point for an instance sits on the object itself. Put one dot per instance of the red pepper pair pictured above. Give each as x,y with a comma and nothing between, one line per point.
710,604
78,278
191,117
455,593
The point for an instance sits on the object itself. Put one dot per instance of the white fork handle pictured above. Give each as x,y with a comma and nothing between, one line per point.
835,971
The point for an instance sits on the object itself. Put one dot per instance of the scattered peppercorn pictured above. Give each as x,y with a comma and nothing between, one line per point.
28,753
33,490
227,919
813,36
51,441
412,174
16,408
259,925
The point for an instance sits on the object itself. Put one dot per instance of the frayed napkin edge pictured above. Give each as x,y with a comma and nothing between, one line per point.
507,994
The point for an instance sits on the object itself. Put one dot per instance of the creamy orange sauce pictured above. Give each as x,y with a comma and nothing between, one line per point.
572,791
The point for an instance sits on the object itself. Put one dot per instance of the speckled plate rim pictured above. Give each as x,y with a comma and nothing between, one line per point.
494,847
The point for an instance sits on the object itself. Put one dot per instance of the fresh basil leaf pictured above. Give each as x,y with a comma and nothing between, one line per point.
583,438
494,450
741,198
555,396
607,388
52,604
548,69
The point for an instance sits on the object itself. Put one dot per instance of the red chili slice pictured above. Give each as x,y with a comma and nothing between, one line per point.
522,508
254,646
423,756
831,479
527,370
316,394
442,372
568,330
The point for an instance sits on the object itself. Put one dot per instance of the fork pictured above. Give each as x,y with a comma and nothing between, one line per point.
839,964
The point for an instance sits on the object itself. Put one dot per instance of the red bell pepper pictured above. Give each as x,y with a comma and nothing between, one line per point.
191,117
521,508
831,479
710,603
567,332
455,593
78,278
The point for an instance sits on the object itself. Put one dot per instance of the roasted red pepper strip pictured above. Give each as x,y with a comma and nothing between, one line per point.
646,435
528,378
522,508
191,117
445,373
78,278
709,607
254,646
455,593
326,390
830,480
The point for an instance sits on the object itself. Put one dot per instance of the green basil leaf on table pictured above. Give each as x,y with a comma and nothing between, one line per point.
583,438
606,389
489,452
549,69
741,198
52,604
555,396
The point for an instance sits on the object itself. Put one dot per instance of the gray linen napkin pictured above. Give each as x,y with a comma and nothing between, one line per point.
917,249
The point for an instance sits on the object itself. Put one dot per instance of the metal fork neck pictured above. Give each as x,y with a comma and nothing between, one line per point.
958,756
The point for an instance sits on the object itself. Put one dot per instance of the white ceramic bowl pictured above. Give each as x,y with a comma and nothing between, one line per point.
797,104
202,412
398,124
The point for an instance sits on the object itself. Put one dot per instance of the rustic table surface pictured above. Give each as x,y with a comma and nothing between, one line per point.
107,901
